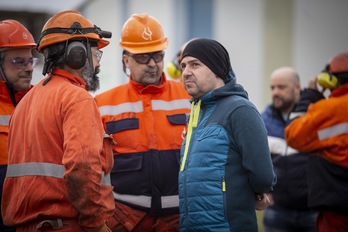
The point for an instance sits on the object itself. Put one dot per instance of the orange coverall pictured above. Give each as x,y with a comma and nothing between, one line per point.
57,166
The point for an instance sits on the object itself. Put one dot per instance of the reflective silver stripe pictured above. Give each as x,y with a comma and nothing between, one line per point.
170,201
4,120
135,107
106,179
44,169
145,201
35,169
171,105
140,200
332,131
280,147
295,115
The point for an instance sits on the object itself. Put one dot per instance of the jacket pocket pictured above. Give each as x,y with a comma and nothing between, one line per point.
128,175
175,132
126,134
177,119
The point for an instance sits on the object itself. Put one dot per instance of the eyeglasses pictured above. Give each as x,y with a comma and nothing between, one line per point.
146,57
22,63
98,53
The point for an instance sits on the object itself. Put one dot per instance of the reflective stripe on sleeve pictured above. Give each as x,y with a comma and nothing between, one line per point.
279,146
4,120
135,107
171,105
44,169
332,131
35,169
295,115
145,201
106,179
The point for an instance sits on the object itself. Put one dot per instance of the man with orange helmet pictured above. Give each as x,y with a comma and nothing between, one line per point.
320,126
59,157
16,69
147,117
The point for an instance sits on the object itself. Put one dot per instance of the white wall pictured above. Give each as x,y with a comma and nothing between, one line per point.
238,26
319,31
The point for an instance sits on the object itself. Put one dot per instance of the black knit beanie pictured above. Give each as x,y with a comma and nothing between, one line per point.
212,54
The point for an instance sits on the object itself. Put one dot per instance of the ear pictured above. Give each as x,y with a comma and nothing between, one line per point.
125,61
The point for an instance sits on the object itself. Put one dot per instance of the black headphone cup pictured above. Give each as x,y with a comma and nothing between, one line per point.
76,55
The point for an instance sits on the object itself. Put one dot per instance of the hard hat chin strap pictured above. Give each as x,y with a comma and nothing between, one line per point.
10,88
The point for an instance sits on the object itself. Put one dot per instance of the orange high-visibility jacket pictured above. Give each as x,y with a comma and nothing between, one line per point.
57,166
324,128
147,124
6,109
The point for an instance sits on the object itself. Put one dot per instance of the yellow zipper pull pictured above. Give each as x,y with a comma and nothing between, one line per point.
223,184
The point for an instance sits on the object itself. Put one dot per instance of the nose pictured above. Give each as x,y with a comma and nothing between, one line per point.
186,72
29,67
151,62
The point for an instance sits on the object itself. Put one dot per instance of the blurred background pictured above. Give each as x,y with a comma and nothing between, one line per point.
260,35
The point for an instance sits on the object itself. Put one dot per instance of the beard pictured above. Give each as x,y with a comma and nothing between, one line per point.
282,104
91,78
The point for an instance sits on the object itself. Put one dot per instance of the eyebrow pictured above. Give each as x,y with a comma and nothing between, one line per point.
192,61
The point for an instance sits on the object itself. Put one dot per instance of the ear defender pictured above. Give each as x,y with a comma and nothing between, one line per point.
326,79
76,55
173,68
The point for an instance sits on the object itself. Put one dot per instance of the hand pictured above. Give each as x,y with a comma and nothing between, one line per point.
262,201
104,228
312,84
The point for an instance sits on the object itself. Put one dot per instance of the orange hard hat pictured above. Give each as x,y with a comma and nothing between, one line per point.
142,33
14,35
70,25
339,63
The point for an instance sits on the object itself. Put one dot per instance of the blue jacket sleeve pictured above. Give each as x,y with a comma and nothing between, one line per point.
250,135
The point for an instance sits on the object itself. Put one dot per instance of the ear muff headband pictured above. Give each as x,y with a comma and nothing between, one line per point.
75,30
326,79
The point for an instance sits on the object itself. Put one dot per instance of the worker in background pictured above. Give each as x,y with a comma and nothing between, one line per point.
58,172
289,210
16,69
319,126
147,118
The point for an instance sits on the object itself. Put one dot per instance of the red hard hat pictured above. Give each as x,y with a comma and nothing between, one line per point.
14,35
339,63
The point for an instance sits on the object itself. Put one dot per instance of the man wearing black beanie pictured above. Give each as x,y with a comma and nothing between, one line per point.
226,166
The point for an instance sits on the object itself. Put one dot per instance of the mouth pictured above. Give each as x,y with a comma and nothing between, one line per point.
25,78
151,72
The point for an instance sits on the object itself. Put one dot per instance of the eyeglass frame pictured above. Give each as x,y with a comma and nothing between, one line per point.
33,61
98,54
149,56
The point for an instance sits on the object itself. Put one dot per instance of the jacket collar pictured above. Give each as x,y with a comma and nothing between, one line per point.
74,79
5,96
